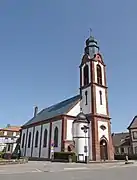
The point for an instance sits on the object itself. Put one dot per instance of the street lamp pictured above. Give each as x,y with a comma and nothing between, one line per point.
85,129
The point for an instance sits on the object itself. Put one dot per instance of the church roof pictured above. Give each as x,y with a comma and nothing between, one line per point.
55,110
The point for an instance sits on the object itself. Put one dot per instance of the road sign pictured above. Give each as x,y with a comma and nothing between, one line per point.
85,149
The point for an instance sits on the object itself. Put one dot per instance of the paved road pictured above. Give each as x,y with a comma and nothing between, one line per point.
41,170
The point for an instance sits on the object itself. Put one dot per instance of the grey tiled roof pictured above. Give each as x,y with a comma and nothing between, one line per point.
133,124
54,110
120,139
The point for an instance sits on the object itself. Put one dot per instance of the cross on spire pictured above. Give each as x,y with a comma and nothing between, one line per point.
90,31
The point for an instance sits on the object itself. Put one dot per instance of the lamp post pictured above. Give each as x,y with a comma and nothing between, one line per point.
85,129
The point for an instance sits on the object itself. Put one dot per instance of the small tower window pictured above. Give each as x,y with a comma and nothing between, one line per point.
86,97
99,74
86,75
100,95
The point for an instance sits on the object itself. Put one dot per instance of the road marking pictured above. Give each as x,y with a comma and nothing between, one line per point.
75,168
23,172
38,170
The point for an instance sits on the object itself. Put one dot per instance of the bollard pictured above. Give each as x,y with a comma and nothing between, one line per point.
126,159
86,159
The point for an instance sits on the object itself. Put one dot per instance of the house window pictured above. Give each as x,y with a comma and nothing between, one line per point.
8,147
129,150
135,135
56,137
99,74
100,96
122,150
36,139
23,140
136,150
45,138
29,140
86,96
116,150
86,75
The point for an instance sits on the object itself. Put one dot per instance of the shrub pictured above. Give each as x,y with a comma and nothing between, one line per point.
122,157
1,154
65,156
14,156
7,155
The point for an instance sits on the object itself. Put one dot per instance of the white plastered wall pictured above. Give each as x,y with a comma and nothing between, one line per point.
35,152
45,150
57,124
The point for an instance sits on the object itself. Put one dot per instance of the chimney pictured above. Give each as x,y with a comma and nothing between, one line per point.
35,111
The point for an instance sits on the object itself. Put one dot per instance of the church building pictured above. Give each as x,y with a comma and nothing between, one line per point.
53,125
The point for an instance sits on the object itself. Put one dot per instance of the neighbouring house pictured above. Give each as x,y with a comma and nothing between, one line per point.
126,142
9,137
51,128
133,134
121,143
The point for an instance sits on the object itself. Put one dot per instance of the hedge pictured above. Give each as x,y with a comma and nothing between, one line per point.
122,157
2,155
66,156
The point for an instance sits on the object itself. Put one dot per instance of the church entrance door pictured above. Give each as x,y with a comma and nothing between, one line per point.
103,150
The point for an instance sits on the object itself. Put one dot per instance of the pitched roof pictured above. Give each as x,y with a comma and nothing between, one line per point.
11,128
120,139
133,124
55,110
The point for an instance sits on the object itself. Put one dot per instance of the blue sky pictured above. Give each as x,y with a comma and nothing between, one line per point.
41,45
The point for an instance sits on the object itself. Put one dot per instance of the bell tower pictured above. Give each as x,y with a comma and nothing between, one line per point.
94,101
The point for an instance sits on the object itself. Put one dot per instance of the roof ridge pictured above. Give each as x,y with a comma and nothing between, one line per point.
63,101
57,109
120,133
57,104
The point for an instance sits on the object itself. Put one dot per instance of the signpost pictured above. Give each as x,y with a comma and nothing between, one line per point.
52,151
85,129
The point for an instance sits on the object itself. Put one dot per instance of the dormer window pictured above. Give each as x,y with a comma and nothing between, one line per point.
5,133
14,133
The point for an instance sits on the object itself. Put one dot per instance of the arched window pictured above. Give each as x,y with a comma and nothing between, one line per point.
86,75
23,140
36,139
45,138
99,74
56,137
29,140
